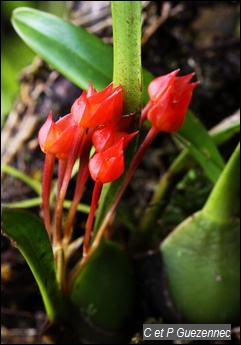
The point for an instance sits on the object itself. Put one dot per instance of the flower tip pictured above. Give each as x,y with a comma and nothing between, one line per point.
50,115
175,72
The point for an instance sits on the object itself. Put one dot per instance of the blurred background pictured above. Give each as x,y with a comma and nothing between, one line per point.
15,55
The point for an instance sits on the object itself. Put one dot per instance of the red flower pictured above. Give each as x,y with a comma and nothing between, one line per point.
94,108
106,166
169,100
106,136
56,138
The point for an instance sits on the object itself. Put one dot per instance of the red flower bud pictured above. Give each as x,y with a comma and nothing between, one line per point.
106,136
56,138
169,100
93,108
107,166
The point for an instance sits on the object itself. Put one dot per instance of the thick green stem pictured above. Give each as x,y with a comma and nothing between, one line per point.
222,202
126,17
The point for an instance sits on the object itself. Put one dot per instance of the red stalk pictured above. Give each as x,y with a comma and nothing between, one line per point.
61,171
46,189
136,161
65,182
82,176
145,112
94,202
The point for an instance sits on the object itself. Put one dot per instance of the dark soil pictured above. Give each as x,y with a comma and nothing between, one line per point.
195,36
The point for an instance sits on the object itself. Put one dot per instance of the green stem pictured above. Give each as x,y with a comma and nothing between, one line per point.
126,16
222,202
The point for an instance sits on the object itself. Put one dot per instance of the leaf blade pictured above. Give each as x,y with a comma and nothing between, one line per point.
18,226
201,146
74,52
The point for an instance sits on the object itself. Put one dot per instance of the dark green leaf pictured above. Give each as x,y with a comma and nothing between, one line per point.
29,235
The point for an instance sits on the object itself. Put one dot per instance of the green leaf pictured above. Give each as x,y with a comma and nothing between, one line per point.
104,291
202,264
202,254
226,129
29,235
26,203
195,137
223,201
32,183
33,202
77,54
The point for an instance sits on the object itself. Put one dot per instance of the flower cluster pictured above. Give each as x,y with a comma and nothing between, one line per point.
92,111
96,120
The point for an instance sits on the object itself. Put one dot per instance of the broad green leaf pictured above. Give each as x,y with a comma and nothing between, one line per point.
28,234
202,254
77,54
205,284
108,288
202,264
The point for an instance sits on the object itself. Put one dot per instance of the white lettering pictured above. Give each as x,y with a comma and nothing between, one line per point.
147,336
157,333
203,333
170,330
180,332
228,333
